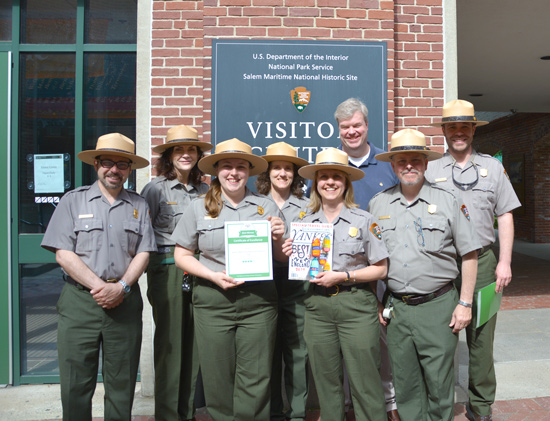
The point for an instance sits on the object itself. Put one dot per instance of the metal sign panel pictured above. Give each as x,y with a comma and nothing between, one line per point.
266,91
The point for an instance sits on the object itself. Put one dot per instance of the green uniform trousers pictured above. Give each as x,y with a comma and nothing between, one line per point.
422,347
290,347
235,331
83,328
345,325
482,382
175,356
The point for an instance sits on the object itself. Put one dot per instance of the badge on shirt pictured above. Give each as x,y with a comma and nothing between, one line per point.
136,213
86,216
464,210
260,210
376,231
352,232
209,217
440,180
302,214
483,172
432,209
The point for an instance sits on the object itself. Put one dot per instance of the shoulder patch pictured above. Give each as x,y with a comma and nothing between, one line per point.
376,231
464,210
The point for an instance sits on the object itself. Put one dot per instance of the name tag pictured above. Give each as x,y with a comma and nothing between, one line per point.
85,216
440,180
171,203
384,217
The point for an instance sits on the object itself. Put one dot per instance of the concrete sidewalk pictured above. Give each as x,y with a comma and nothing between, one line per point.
522,355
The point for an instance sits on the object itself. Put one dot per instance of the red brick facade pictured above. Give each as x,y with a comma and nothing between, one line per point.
525,143
183,32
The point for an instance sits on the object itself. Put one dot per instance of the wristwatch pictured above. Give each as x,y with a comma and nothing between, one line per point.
125,286
465,304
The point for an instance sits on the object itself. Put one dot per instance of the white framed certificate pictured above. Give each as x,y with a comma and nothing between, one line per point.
248,250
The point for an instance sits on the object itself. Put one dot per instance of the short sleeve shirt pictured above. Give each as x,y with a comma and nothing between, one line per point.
357,242
424,238
167,200
198,231
106,237
491,195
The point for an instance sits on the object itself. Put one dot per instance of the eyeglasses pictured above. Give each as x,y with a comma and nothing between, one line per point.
465,186
121,165
419,232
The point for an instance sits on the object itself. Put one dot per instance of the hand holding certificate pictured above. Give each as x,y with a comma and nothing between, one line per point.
248,251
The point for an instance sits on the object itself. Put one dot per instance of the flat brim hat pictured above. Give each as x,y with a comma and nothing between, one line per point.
182,136
282,151
459,111
408,140
331,159
114,144
232,148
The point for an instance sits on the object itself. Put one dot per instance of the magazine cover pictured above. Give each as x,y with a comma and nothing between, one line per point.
311,250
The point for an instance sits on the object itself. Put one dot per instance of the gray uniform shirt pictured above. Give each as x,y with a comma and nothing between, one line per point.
356,243
106,237
167,201
492,195
198,231
424,238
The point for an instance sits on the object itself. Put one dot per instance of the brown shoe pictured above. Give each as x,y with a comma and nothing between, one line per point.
472,416
393,415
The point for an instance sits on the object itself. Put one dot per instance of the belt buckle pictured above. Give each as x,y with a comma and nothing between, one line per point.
111,280
405,298
337,291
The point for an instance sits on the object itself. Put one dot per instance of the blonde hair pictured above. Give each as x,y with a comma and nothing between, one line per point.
316,202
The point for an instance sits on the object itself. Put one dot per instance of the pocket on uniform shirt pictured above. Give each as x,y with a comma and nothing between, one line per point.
483,192
350,253
166,217
433,229
211,234
133,232
388,228
89,234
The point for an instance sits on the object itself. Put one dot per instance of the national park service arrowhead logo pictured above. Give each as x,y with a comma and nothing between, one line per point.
300,98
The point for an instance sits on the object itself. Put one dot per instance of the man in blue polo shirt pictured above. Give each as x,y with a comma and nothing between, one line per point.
351,116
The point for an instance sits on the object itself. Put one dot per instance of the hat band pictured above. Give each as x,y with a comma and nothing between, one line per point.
333,163
113,150
459,118
409,148
181,140
232,151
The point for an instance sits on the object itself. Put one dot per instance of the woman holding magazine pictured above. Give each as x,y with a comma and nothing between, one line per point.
341,309
235,321
285,187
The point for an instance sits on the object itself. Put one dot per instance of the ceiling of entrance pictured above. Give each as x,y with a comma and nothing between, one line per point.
500,45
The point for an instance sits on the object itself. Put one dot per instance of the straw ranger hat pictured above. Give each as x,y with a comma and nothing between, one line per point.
459,111
182,136
331,159
114,144
282,151
232,148
408,140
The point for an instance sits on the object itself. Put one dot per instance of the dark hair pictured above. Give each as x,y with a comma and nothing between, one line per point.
165,167
263,182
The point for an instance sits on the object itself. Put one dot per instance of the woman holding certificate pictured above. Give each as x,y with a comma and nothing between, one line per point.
282,183
341,309
235,321
168,195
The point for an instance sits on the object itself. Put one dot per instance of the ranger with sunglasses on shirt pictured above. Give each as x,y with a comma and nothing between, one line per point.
101,236
481,181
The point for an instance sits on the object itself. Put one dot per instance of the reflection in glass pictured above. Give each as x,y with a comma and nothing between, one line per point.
40,287
111,22
109,101
5,20
46,116
48,22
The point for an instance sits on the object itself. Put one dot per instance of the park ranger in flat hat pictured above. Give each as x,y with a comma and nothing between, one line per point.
101,236
482,183
425,229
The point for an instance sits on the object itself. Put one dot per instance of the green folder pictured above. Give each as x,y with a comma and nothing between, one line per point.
488,303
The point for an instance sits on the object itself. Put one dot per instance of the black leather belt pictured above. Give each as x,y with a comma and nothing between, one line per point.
336,289
415,299
71,281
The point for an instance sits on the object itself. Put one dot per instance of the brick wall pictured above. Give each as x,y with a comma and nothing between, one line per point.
524,138
183,32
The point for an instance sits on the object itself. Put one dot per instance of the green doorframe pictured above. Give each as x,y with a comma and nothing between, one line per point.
6,344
